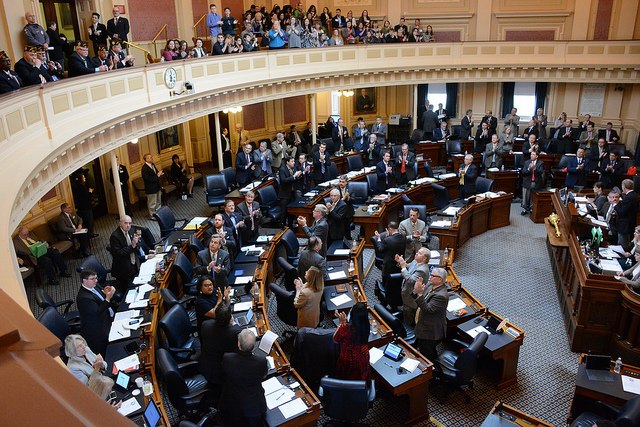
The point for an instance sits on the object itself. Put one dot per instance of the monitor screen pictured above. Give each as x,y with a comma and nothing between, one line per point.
392,351
152,414
122,380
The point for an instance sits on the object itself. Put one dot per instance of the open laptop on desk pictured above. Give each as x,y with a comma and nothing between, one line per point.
244,319
598,368
150,417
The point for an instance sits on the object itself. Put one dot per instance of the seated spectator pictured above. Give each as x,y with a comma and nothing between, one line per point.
308,297
251,216
349,33
170,52
428,34
336,39
402,35
401,26
102,386
609,134
353,337
530,129
178,173
249,43
276,36
235,44
209,299
48,262
386,27
221,46
51,70
198,49
118,58
28,68
69,225
416,36
83,363
442,133
9,80
392,37
631,276
183,51
102,58
80,63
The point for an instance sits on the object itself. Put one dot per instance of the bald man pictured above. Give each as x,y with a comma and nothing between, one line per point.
125,249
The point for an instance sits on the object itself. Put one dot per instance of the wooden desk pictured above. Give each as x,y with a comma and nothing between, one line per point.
341,161
414,384
502,415
238,197
458,159
432,151
542,205
309,417
502,347
506,180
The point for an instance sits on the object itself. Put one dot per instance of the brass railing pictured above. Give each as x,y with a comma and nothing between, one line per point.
148,57
166,37
195,27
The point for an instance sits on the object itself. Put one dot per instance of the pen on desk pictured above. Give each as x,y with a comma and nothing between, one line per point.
387,364
120,333
281,394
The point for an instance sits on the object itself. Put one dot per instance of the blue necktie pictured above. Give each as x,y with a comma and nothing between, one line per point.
99,295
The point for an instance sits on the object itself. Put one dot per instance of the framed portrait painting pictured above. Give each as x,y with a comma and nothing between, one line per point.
364,101
168,138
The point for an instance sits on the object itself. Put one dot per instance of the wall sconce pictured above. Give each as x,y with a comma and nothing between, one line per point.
134,141
232,110
346,93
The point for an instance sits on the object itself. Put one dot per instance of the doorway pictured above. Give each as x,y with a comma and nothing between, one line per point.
224,123
64,13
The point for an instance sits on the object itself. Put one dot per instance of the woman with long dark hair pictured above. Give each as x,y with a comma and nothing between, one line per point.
353,337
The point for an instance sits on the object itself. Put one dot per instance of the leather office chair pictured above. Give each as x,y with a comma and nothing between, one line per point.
354,163
229,178
147,235
286,311
167,221
185,270
398,328
627,416
57,325
483,185
417,136
379,256
331,148
457,369
358,193
422,214
456,130
195,245
315,354
216,187
390,292
453,147
187,302
177,329
440,196
269,202
95,265
291,246
372,181
290,274
333,171
619,149
44,300
346,400
186,394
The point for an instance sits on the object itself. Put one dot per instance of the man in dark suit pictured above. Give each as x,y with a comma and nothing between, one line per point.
233,220
229,243
307,139
410,273
28,68
252,217
338,21
311,257
286,193
215,261
530,129
609,134
303,183
626,212
217,337
441,113
372,151
599,155
69,225
343,183
96,309
384,172
483,137
405,166
245,165
565,136
532,180
118,27
336,218
321,164
577,170
394,243
319,228
442,133
467,175
9,80
379,129
340,136
431,326
467,124
586,122
429,122
125,250
611,171
47,262
491,121
80,63
152,188
97,32
242,398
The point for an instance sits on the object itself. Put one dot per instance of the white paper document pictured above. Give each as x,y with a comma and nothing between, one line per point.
337,275
242,306
129,406
475,331
630,384
148,268
267,341
455,304
279,397
243,279
271,385
310,194
444,223
451,210
435,254
342,251
293,408
142,280
146,288
82,231
139,304
125,315
410,364
341,299
374,355
263,238
118,331
127,363
608,253
447,175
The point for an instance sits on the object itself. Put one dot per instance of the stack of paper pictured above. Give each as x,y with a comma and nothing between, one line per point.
336,275
444,223
451,210
123,318
374,355
129,363
341,299
447,175
455,304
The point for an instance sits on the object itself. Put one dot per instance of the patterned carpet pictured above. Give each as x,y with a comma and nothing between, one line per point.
513,283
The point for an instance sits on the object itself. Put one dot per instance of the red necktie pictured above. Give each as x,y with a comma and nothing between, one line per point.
402,169
533,172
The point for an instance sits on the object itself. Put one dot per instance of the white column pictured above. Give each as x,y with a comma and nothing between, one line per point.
219,141
414,108
314,124
116,183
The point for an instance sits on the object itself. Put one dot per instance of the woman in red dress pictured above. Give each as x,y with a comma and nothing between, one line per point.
353,336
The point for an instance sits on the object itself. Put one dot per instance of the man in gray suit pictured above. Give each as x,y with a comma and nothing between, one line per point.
262,157
429,122
379,129
431,325
69,224
311,257
319,228
215,261
493,153
415,231
411,273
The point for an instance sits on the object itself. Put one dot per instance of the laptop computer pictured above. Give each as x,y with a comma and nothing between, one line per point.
122,382
150,417
598,368
245,319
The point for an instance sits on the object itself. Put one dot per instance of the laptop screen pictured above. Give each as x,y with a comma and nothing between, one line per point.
249,315
152,414
598,362
122,380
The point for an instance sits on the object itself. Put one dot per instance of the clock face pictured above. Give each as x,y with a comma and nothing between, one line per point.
170,77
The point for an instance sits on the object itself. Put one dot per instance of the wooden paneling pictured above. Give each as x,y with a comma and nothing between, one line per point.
146,21
603,20
50,195
253,116
295,109
133,151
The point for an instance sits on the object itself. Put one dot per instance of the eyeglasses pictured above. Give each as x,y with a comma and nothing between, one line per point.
433,275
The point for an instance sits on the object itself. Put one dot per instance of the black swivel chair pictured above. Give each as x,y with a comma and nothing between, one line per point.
390,293
187,302
216,187
354,163
177,329
398,328
627,416
95,265
291,246
440,196
167,221
195,245
185,270
315,354
332,172
290,274
286,311
57,325
379,256
269,202
417,136
346,400
188,395
456,369
229,177
483,185
372,181
358,192
44,300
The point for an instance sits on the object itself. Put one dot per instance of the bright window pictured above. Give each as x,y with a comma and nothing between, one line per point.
524,99
437,94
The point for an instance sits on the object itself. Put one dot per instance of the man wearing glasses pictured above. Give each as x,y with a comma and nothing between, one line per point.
431,317
80,63
96,309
